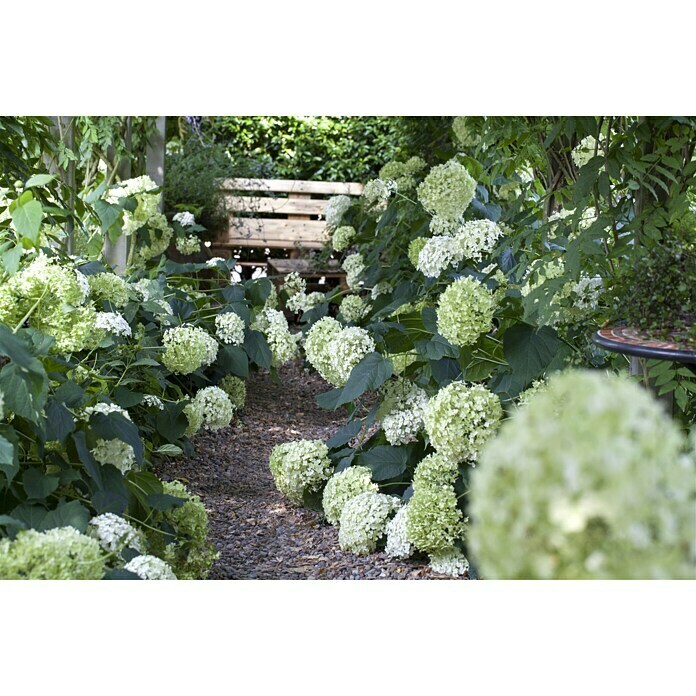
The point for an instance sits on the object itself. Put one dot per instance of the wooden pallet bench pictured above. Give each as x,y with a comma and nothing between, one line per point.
286,216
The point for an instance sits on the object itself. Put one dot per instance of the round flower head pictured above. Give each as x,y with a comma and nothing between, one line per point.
353,308
343,237
113,323
185,219
465,311
414,249
447,191
188,348
377,192
401,411
363,521
336,207
62,553
235,388
213,408
150,568
109,287
300,467
452,563
403,173
382,288
587,481
229,328
188,245
333,351
459,420
437,254
114,533
115,452
283,344
398,545
343,486
353,265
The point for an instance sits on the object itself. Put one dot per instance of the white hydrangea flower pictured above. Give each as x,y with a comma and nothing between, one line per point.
584,151
150,568
188,348
274,326
452,563
382,288
190,244
398,545
83,283
447,190
460,419
336,206
300,467
185,219
114,533
212,263
153,401
353,308
114,323
343,486
211,408
378,190
364,520
114,452
401,412
229,328
106,409
353,265
437,254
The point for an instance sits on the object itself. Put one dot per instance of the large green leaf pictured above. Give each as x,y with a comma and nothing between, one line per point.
27,219
385,462
257,349
370,373
38,485
233,360
24,391
529,351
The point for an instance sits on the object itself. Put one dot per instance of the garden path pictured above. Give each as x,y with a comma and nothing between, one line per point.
258,533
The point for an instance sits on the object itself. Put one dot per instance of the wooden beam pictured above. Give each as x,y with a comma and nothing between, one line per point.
347,188
282,206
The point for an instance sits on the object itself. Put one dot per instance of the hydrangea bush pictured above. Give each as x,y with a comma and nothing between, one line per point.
300,467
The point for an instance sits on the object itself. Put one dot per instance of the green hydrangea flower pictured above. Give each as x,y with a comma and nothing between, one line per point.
447,191
343,237
465,311
589,480
353,308
459,420
110,287
191,555
235,388
363,522
414,248
188,348
343,486
300,467
62,553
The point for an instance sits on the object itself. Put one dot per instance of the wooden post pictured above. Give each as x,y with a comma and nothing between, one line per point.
116,254
64,129
154,158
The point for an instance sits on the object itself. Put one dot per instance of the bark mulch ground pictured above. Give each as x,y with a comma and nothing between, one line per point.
259,534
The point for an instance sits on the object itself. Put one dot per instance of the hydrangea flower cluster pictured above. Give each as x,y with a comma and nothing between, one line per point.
587,481
229,328
435,523
185,219
538,385
211,408
53,298
62,553
295,287
159,236
401,411
115,452
381,288
353,308
188,348
343,237
584,151
153,401
377,192
336,207
110,287
235,388
300,467
191,555
403,174
274,326
141,188
105,409
465,311
150,568
447,191
398,545
452,563
363,521
333,351
188,245
459,420
437,254
115,533
112,322
343,486
462,133
414,249
353,265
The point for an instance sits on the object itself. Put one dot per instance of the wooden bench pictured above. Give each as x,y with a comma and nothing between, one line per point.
279,215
